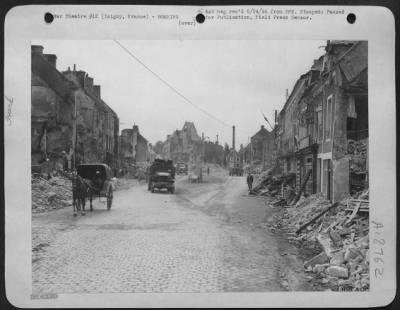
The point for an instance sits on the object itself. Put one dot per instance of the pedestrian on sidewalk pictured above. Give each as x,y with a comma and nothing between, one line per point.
250,180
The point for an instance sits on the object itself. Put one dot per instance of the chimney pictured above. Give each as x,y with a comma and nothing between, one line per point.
89,83
37,50
74,67
233,137
51,58
96,90
262,127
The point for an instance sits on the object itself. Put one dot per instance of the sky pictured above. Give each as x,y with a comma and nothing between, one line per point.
233,81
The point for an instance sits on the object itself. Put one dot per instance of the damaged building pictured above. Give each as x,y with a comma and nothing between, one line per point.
134,149
262,146
184,145
71,124
322,131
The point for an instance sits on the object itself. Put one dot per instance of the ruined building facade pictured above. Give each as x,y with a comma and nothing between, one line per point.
261,148
134,149
184,145
322,133
71,124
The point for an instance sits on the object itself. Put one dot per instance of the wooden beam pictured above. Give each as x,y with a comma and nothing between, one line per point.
316,217
303,186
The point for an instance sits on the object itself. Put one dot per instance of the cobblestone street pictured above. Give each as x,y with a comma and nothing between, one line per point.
206,238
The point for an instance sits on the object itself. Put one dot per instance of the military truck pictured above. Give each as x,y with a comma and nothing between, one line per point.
181,168
235,164
162,176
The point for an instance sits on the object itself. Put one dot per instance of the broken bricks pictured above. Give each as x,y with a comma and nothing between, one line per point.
339,239
337,271
319,259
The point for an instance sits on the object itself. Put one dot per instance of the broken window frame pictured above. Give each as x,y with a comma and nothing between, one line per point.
328,119
319,129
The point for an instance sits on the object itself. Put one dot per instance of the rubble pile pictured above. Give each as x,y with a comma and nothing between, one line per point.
335,236
280,186
141,168
54,193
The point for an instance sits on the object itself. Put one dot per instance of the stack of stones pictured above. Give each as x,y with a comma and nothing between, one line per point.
51,194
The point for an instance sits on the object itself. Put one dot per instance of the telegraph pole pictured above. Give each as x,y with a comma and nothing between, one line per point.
74,134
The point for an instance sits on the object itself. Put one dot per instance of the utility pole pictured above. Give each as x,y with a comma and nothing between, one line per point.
74,134
204,146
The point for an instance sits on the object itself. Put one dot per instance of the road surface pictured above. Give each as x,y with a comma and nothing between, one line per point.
208,237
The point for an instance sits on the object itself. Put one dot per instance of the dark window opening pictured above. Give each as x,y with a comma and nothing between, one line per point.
357,118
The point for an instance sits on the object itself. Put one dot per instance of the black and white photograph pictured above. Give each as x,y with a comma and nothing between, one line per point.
199,161
242,167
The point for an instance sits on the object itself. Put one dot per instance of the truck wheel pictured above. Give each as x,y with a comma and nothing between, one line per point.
109,198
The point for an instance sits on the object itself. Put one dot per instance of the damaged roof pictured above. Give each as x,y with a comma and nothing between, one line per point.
354,61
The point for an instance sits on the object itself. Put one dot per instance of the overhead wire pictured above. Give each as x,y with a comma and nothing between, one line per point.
169,85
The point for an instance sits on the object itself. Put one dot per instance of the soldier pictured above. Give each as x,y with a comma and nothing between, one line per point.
250,180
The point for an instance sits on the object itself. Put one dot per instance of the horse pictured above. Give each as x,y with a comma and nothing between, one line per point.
80,190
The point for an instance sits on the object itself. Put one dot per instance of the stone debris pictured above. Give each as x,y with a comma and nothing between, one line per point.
50,194
278,186
334,237
56,192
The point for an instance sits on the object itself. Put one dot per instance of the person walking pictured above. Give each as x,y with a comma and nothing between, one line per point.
250,180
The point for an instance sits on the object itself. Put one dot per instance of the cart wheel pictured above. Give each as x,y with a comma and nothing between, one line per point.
109,199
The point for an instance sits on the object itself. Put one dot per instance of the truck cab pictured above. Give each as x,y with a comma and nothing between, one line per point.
181,168
162,176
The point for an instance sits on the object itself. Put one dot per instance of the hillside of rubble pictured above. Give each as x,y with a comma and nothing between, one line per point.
332,238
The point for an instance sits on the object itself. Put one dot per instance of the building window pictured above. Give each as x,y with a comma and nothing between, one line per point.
318,126
328,118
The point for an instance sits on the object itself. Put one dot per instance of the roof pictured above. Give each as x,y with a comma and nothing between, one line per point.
298,85
51,76
262,131
354,61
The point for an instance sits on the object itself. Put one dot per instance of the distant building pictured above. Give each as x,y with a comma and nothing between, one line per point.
213,153
234,160
262,147
184,145
134,149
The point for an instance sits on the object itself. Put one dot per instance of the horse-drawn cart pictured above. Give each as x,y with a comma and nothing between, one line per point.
98,178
